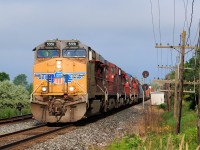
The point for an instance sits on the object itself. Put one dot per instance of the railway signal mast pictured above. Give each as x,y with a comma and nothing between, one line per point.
145,74
180,82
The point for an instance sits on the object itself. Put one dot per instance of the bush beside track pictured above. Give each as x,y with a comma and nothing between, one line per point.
10,96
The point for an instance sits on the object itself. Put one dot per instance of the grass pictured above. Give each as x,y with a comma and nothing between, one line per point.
159,128
13,112
128,142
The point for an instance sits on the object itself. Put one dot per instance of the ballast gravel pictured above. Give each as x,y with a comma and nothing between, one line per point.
98,134
9,128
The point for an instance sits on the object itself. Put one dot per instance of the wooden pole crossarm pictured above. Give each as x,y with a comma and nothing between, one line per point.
173,81
167,67
177,47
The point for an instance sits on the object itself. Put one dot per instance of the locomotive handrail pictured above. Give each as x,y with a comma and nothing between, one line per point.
31,95
101,88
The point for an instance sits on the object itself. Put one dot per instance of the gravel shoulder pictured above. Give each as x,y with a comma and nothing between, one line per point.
5,129
100,133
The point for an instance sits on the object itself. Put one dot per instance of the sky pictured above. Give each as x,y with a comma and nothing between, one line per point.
123,32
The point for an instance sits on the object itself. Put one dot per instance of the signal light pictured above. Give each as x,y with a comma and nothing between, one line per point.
145,74
145,87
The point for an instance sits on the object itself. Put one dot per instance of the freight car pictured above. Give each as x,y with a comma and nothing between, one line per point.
72,81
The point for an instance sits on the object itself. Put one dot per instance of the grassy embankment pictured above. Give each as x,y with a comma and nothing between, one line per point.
159,132
13,112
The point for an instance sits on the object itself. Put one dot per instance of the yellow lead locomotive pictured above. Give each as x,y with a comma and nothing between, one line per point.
71,81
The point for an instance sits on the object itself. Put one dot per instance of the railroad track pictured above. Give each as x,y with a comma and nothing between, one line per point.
24,138
15,119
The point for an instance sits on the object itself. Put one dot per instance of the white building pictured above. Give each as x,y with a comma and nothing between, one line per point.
157,98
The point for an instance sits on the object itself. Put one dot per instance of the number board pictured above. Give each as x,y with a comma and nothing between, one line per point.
50,44
72,43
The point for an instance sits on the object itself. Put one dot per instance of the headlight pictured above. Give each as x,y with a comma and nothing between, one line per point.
58,64
71,88
44,89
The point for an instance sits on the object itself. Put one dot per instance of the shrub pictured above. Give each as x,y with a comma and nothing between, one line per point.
163,106
10,95
128,142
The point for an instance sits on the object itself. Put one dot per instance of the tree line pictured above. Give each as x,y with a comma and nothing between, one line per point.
13,92
191,73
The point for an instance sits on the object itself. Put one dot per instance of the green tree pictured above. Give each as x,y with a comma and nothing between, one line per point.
29,88
21,79
11,94
4,76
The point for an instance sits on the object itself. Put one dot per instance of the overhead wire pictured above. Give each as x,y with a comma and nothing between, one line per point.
152,21
191,19
160,37
197,31
159,20
188,41
198,44
154,35
186,20
193,43
185,24
173,31
174,25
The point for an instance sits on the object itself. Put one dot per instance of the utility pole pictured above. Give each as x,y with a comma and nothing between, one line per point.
178,122
176,92
198,124
181,72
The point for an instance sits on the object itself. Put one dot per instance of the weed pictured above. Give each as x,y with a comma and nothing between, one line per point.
159,132
163,106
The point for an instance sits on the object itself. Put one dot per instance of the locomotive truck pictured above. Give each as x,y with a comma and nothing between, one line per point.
72,81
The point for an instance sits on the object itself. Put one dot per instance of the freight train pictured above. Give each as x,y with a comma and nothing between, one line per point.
71,81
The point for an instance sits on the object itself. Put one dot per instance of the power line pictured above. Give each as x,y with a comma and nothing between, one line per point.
173,29
160,32
185,7
159,19
152,21
174,20
154,35
197,31
190,21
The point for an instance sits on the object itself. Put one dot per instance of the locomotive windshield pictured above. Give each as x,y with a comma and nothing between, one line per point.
48,53
74,53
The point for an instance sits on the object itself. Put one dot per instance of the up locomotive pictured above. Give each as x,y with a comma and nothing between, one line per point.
72,81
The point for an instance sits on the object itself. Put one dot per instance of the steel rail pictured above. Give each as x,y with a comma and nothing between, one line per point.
20,131
15,119
29,139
